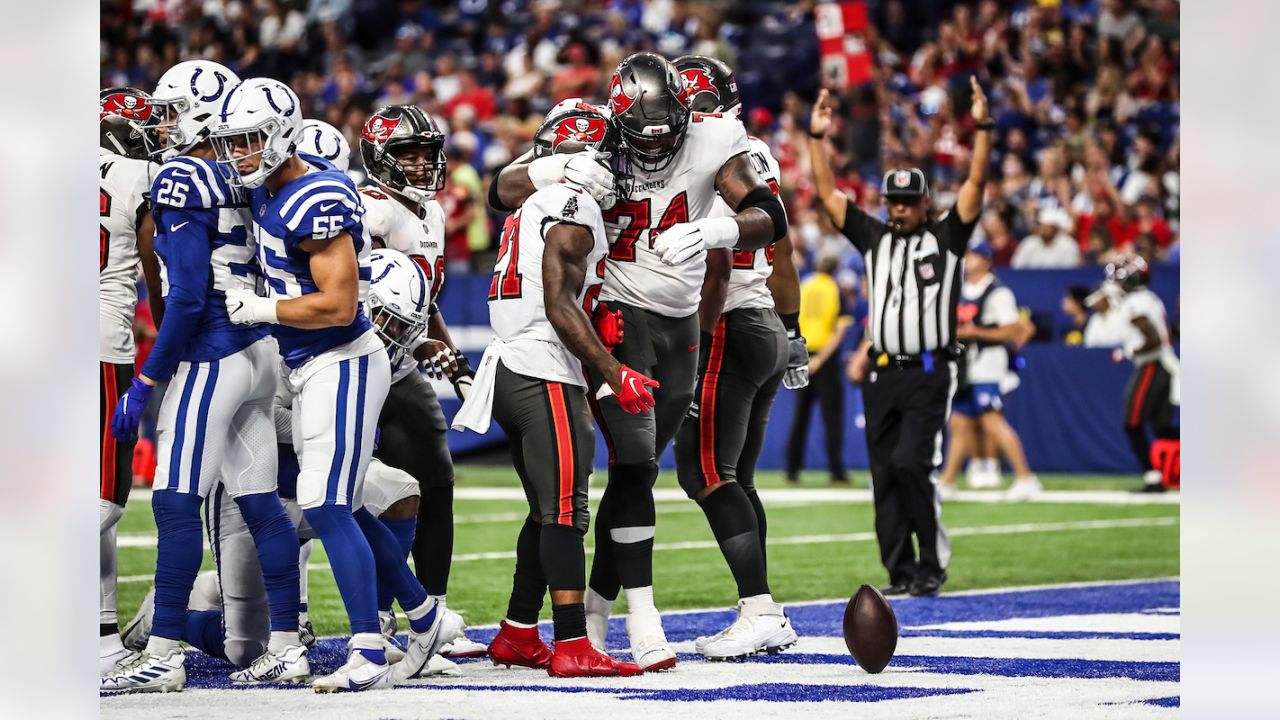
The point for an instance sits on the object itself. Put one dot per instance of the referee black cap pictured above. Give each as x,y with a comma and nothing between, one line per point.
908,184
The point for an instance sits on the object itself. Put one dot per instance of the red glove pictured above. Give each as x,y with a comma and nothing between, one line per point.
608,326
635,397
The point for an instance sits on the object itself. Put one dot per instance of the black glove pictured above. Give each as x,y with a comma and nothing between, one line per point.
463,376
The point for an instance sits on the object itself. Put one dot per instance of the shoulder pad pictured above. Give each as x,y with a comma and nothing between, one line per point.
321,205
190,183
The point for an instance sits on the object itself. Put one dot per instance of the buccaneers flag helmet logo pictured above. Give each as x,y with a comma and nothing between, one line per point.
379,129
586,130
697,81
126,105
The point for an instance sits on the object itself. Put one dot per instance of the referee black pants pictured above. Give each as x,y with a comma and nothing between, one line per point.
906,409
826,387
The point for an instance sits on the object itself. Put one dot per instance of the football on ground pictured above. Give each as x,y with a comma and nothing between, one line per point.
870,629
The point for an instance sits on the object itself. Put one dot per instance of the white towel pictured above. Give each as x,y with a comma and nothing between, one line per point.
477,409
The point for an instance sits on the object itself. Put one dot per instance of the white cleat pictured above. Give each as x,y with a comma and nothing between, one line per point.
111,654
440,665
357,674
462,646
138,631
445,627
287,667
1024,489
148,673
761,628
649,648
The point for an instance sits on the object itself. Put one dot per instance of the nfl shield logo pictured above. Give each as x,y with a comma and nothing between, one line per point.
902,178
926,271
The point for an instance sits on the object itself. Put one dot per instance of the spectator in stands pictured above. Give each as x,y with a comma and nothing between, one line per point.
1051,245
824,319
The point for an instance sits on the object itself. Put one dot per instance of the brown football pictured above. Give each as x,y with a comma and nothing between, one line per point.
870,629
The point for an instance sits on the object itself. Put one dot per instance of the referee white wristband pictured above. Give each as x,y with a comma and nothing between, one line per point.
548,170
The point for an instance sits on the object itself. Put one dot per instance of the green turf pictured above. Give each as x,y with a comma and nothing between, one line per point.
686,578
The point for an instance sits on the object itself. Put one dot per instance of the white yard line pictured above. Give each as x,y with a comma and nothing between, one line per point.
1016,529
801,496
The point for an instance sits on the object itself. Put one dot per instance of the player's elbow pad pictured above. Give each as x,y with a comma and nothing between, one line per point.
764,199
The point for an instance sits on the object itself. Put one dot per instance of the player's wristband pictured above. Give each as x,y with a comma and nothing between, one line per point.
988,125
791,321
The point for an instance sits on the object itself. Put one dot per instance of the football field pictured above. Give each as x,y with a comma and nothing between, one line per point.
1091,643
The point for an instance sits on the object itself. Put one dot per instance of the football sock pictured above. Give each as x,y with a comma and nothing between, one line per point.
563,558
640,598
733,522
352,562
529,584
203,631
276,540
389,558
280,640
762,524
604,570
570,621
404,530
370,646
304,559
597,604
157,645
108,517
633,524
433,545
179,552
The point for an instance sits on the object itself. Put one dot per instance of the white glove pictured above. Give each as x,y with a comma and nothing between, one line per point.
684,241
588,170
246,308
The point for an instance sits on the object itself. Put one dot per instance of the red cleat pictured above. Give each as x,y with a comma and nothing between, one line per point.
519,646
577,658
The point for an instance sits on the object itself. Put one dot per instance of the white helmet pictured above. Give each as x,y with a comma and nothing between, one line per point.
398,300
260,117
187,100
322,139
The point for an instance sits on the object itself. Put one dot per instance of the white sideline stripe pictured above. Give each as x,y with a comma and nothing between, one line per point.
830,538
800,496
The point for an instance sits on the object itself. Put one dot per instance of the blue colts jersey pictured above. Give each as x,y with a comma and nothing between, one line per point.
319,205
205,248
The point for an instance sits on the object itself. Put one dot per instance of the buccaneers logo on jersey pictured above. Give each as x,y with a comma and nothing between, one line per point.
126,105
379,129
587,131
697,81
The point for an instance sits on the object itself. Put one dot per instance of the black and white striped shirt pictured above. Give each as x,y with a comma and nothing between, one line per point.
913,280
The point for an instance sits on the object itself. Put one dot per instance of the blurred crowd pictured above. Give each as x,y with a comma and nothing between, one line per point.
1084,92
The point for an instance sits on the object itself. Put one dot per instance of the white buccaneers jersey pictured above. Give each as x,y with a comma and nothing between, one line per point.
681,192
1146,304
749,281
516,310
420,236
122,190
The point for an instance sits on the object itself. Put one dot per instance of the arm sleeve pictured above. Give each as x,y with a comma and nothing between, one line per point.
860,227
187,266
954,233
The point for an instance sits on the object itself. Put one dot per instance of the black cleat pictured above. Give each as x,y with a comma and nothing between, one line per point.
1150,488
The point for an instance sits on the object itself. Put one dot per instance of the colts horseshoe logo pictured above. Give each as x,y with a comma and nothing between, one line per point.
195,89
293,106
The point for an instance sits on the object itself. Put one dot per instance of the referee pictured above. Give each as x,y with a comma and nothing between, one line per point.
914,274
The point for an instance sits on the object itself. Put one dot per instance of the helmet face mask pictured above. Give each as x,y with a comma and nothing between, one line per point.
650,110
403,151
397,331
